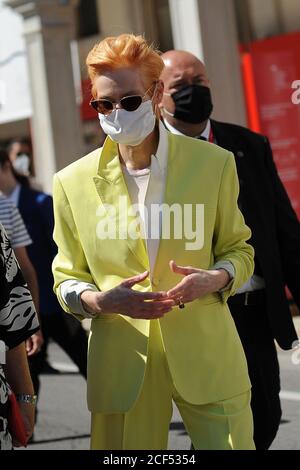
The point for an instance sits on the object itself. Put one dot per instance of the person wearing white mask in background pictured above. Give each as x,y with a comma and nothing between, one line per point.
20,155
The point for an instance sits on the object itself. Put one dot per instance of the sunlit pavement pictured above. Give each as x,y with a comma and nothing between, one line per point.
63,421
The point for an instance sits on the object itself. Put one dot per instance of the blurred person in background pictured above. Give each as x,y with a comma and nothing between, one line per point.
20,155
260,308
18,322
36,209
20,240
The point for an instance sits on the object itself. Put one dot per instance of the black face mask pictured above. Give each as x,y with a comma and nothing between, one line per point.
193,104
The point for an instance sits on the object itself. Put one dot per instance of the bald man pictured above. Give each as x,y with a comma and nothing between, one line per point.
260,308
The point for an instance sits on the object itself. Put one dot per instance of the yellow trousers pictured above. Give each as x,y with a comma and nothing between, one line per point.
225,425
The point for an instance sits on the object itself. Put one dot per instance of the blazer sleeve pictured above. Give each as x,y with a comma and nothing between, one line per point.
231,233
288,228
70,261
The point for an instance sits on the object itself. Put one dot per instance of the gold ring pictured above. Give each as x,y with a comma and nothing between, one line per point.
181,304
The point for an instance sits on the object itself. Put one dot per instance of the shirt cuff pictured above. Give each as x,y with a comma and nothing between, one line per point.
21,244
229,267
71,291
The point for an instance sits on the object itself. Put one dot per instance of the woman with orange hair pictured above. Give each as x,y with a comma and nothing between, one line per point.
160,331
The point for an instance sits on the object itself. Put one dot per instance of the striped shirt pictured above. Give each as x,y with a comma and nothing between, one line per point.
12,221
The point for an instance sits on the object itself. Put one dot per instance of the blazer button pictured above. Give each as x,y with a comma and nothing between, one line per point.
155,281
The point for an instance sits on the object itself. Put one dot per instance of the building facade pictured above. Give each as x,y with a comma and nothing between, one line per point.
42,64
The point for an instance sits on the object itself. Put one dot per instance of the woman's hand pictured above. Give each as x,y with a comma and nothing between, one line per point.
28,413
34,343
126,301
196,283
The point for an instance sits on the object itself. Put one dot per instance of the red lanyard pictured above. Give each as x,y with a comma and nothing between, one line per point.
211,138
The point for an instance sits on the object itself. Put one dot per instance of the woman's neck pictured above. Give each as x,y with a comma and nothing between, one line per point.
139,156
10,185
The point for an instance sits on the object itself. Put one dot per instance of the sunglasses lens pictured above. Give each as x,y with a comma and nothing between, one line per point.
102,106
131,103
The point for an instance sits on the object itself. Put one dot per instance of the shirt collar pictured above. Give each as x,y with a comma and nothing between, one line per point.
205,133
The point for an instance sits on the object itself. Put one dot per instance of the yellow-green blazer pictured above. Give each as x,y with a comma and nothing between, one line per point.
203,349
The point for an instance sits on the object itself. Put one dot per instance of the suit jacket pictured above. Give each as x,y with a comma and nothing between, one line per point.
203,349
273,222
36,209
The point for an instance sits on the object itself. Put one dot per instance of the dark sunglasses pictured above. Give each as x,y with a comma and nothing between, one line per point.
129,103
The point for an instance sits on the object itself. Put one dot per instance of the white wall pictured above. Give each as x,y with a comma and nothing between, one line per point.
15,102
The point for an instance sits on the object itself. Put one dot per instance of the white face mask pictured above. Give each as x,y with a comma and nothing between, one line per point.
22,164
129,127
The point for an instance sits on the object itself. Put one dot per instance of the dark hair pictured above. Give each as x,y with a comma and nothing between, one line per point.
19,140
4,158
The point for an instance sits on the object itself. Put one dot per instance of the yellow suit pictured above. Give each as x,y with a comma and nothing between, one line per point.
203,350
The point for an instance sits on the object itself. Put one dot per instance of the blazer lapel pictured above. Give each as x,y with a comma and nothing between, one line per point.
112,190
168,199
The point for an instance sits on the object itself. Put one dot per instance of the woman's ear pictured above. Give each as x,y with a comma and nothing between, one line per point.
159,91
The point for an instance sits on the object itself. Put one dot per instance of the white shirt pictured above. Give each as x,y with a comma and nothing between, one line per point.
204,134
146,187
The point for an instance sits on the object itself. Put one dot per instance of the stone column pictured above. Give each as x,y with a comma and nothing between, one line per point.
127,16
49,26
208,30
266,18
186,26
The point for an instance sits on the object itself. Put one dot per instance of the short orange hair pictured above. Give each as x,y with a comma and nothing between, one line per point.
126,50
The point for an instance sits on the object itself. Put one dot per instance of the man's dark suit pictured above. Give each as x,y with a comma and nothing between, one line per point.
36,209
276,239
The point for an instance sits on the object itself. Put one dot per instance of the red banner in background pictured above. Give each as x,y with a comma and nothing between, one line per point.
250,93
269,70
